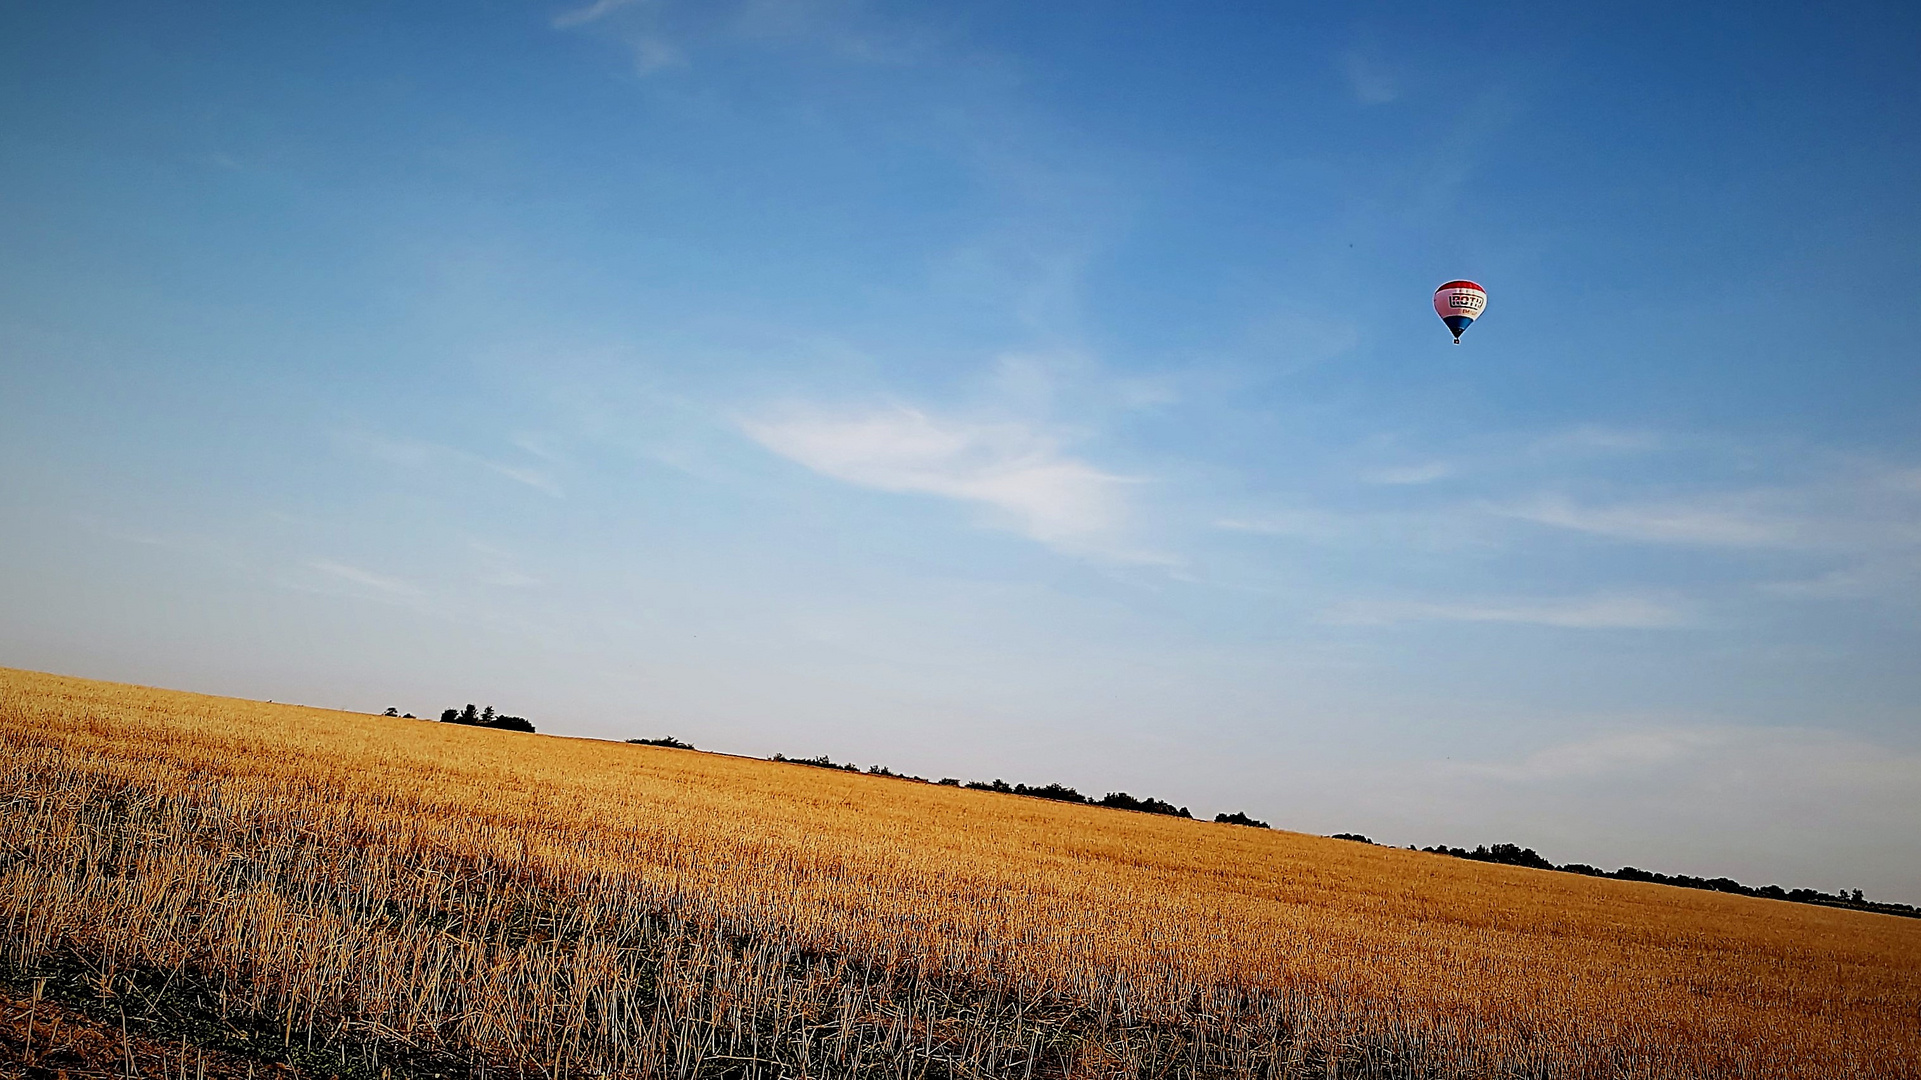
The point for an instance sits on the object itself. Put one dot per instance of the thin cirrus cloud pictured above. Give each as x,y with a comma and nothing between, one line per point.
1604,612
1407,475
1882,579
1368,78
593,12
1715,522
1016,471
498,567
533,478
1743,773
1863,511
1604,755
415,455
651,52
1299,523
355,575
1600,439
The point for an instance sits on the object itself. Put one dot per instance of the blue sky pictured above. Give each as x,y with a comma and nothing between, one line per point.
1048,392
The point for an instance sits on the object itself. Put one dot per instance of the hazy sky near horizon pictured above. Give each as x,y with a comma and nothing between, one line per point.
1038,391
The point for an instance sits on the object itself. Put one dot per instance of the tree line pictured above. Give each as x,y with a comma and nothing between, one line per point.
1516,855
472,717
1504,854
1113,800
486,718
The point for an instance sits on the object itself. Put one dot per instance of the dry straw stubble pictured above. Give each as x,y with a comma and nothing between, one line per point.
571,907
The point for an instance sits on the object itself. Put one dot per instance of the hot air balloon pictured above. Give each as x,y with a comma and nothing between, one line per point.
1459,303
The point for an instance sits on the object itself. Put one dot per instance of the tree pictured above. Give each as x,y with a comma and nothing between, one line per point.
1121,800
472,717
1056,792
666,740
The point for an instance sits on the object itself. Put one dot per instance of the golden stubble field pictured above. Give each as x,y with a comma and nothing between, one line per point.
561,907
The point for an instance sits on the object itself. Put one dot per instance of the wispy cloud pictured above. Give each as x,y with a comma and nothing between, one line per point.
354,574
1712,521
1606,612
533,478
846,30
661,34
1871,512
1604,755
1424,473
1769,762
1599,439
1449,527
415,454
1297,524
1368,78
1016,470
652,49
1823,526
499,567
1895,575
1905,481
653,54
593,12
540,448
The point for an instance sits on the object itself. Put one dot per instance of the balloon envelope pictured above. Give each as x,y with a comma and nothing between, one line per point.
1459,303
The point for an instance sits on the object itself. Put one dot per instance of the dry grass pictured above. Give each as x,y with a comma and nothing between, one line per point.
571,907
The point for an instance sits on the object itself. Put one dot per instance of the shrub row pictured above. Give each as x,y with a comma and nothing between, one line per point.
486,718
1505,854
1516,855
1113,800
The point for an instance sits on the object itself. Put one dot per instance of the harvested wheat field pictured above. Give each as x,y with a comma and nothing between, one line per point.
357,895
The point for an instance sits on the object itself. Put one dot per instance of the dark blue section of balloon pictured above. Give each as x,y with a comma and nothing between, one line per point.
1457,323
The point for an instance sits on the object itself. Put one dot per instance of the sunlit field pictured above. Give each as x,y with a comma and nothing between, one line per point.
393,894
